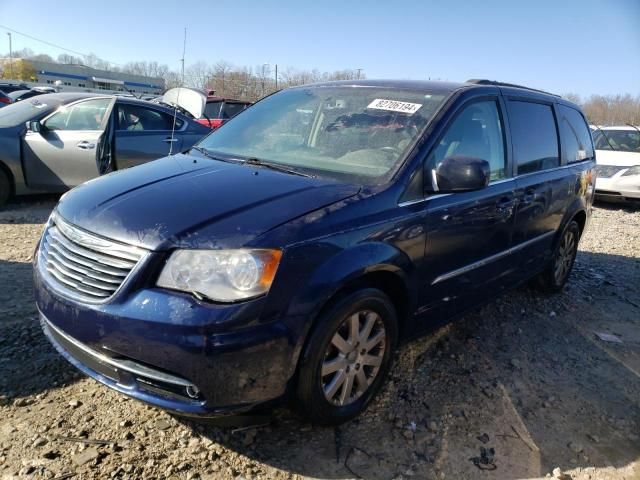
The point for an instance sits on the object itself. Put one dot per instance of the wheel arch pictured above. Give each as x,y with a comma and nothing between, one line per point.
581,218
7,171
577,211
379,266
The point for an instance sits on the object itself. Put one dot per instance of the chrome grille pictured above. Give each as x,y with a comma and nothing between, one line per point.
84,264
606,171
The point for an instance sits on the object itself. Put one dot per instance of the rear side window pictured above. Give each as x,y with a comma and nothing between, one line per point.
137,118
232,109
575,136
534,136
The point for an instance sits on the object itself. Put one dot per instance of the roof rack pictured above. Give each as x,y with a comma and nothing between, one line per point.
480,81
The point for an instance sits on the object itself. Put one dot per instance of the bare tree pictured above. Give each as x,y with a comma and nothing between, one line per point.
171,79
198,75
609,109
69,59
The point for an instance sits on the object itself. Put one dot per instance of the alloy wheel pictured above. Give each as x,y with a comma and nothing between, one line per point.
564,257
353,358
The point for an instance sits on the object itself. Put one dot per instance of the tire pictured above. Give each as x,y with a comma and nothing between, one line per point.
356,367
5,188
556,274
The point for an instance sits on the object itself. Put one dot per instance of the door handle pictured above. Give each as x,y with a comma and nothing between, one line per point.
529,196
505,204
170,140
85,145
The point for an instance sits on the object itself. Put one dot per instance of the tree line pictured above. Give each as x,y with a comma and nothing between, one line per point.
609,109
252,83
224,78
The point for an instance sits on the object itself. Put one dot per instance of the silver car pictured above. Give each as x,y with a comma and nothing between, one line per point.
53,142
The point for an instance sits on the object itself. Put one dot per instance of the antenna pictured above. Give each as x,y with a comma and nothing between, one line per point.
184,48
175,107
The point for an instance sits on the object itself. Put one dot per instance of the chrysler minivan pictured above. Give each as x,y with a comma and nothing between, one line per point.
288,252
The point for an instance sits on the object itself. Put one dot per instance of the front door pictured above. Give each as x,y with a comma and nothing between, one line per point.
467,255
144,134
63,153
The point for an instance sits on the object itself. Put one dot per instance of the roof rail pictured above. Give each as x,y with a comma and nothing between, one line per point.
480,81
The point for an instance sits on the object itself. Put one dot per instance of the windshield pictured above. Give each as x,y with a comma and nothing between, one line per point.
356,134
618,140
20,112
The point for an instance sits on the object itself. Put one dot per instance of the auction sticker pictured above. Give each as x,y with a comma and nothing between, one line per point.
395,106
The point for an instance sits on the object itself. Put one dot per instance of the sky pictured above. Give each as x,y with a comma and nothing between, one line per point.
563,46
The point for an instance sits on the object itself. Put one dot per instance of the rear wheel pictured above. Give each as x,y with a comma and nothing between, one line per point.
347,357
5,187
555,276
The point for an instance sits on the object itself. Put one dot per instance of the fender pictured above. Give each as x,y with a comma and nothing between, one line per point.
581,202
10,159
341,270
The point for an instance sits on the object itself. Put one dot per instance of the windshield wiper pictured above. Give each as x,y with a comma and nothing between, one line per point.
208,154
275,166
605,137
633,126
250,161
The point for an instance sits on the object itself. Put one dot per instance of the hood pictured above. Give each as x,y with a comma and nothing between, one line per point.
621,159
189,201
189,99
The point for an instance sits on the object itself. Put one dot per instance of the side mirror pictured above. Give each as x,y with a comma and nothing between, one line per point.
462,174
35,126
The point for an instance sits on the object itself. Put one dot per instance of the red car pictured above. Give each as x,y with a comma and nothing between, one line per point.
219,109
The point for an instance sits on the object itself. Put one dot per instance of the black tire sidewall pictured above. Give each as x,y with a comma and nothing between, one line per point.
309,392
5,188
575,229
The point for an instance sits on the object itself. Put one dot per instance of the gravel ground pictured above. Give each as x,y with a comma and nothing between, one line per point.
521,388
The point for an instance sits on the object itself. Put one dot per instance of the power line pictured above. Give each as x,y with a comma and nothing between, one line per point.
56,45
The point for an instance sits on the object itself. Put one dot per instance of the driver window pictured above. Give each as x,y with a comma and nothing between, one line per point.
475,132
81,116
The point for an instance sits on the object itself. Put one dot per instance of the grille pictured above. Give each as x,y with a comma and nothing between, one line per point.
84,264
606,171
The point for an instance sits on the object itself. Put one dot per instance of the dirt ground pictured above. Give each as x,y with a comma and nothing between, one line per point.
522,388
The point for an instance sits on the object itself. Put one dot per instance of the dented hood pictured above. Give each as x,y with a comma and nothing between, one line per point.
192,202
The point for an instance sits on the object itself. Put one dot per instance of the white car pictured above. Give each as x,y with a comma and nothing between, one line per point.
617,163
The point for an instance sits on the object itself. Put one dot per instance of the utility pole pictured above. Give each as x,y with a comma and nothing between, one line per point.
276,76
262,76
184,49
359,70
10,57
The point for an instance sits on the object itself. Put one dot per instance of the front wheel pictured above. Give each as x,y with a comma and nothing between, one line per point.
555,276
347,357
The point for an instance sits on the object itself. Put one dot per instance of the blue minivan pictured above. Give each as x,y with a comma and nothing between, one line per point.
287,253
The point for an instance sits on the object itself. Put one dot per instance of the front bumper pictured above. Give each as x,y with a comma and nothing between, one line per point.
171,351
618,188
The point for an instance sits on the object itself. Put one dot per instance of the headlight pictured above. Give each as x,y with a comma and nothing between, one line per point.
632,171
221,275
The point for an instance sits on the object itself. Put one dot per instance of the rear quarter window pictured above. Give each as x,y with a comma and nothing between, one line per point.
534,136
574,135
